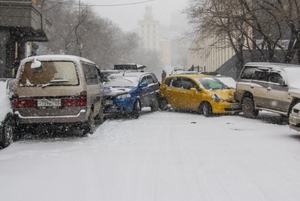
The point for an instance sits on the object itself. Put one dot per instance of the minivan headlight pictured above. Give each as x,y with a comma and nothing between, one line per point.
216,98
123,96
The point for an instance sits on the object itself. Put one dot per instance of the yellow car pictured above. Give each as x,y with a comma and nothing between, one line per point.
202,93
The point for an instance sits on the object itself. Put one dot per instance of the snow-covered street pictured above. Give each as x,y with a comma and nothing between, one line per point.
161,156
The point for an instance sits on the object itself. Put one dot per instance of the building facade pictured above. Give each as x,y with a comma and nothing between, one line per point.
21,23
148,30
210,57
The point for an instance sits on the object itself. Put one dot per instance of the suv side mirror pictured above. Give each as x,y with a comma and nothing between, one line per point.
144,84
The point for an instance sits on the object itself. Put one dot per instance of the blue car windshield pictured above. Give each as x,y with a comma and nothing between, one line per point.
122,82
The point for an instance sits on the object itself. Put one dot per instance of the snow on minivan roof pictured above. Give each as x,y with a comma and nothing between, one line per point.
57,57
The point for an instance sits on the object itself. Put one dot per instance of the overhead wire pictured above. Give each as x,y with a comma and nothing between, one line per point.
110,5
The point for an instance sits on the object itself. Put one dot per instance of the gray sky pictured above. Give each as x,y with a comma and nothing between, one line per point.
126,16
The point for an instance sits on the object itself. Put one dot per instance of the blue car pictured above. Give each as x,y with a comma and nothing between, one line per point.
127,93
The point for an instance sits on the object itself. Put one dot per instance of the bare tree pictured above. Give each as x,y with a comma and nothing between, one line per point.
266,25
81,32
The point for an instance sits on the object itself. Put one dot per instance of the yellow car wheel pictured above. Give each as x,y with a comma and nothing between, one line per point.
206,109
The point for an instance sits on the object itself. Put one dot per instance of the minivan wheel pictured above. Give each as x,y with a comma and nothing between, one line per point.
8,132
100,116
163,104
248,108
90,125
154,106
206,110
136,110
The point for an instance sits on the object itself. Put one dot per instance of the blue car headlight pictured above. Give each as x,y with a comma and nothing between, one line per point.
216,98
123,96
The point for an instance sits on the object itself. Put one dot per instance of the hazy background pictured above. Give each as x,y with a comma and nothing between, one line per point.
126,13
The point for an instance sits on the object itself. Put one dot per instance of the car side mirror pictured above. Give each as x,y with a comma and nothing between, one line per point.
193,90
144,84
197,89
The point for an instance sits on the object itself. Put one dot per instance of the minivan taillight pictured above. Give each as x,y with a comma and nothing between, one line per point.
24,103
80,100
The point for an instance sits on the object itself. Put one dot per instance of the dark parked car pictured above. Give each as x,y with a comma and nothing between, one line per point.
106,73
126,93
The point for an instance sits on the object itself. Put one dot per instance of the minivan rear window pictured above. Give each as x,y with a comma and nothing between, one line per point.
50,73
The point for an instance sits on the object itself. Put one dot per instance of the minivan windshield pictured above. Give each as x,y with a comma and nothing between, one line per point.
51,73
212,84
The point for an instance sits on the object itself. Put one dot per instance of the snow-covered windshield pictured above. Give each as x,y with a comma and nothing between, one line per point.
50,73
212,84
122,82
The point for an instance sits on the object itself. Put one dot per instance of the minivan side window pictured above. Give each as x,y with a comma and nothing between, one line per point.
90,74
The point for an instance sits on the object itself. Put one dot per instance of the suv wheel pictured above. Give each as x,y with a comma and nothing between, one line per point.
7,132
163,105
136,110
154,106
206,110
248,108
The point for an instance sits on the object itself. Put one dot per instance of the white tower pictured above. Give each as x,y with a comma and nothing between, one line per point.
149,30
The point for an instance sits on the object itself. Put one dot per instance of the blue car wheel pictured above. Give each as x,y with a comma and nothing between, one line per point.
136,109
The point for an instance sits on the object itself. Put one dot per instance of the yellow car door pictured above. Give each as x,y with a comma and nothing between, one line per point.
190,95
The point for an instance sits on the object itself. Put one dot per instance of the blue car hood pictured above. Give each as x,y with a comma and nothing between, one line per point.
115,91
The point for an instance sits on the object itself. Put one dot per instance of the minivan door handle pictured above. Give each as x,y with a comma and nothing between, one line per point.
251,86
269,88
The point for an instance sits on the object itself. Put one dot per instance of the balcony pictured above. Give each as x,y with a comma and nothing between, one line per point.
25,19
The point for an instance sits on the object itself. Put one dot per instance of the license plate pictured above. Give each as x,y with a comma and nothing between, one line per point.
49,102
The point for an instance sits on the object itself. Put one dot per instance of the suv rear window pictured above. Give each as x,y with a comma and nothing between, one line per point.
50,73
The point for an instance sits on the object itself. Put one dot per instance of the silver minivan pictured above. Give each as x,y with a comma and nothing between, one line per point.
58,90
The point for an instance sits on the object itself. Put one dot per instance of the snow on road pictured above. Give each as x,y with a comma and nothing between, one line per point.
161,156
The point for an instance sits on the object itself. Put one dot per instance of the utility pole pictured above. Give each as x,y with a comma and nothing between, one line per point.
76,33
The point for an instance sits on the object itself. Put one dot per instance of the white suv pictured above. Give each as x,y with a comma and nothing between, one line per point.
273,87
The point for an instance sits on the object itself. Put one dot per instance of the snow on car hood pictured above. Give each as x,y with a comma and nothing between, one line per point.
226,94
4,102
111,91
